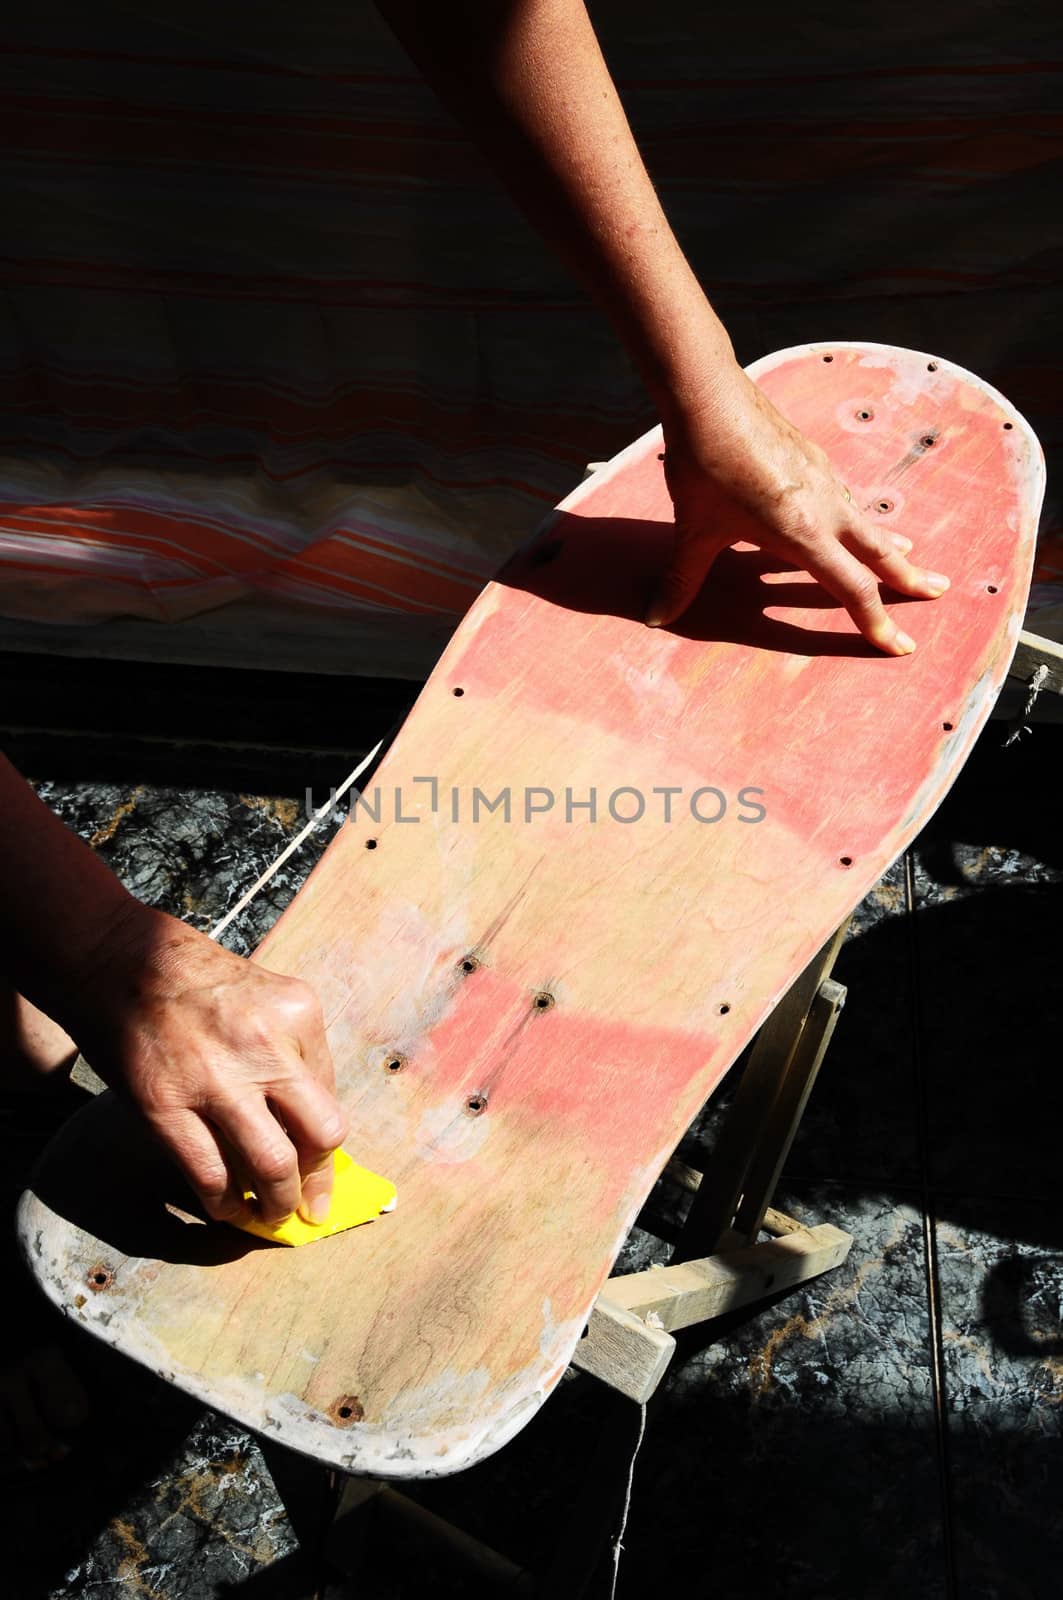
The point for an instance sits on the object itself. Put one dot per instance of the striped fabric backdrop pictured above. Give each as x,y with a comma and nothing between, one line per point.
269,325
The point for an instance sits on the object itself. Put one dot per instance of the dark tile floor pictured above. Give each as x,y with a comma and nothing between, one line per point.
891,1430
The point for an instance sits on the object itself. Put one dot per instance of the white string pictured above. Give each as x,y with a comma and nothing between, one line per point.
1033,688
290,849
618,1544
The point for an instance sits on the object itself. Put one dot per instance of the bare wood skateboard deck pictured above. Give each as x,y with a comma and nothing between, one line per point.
528,1004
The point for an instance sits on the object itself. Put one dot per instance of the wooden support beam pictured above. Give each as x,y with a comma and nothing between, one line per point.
780,1129
1034,650
777,1223
700,1291
629,1340
719,1195
780,1120
621,1349
689,1178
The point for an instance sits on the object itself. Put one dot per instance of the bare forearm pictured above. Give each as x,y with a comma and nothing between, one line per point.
222,1058
528,80
58,901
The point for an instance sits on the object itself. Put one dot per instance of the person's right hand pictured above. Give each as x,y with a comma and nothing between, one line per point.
227,1062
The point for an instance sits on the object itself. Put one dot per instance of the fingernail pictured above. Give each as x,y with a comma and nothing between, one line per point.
904,644
938,582
316,1210
655,616
901,543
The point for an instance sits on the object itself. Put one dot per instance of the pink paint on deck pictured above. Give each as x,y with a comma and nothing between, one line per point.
608,540
556,1066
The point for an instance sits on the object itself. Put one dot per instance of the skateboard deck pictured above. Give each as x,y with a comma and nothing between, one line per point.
593,860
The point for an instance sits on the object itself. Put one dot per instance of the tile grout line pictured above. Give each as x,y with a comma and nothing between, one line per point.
930,1255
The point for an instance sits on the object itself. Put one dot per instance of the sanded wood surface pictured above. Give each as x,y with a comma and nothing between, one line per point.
526,1011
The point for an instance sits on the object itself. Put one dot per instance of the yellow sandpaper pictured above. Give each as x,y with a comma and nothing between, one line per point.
358,1196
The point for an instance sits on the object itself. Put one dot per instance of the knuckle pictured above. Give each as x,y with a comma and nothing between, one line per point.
303,996
301,1007
275,1165
209,1179
206,1172
863,590
215,1096
875,544
804,530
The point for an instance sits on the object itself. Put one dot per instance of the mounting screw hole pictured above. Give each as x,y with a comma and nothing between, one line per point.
1009,425
543,1001
947,726
370,844
864,414
457,693
884,506
476,1104
928,441
468,964
845,861
990,588
828,358
348,1408
395,1063
660,456
931,366
723,1010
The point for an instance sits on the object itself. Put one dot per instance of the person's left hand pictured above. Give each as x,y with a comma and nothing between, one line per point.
736,470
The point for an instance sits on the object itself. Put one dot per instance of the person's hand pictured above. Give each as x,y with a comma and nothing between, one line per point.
736,469
228,1064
